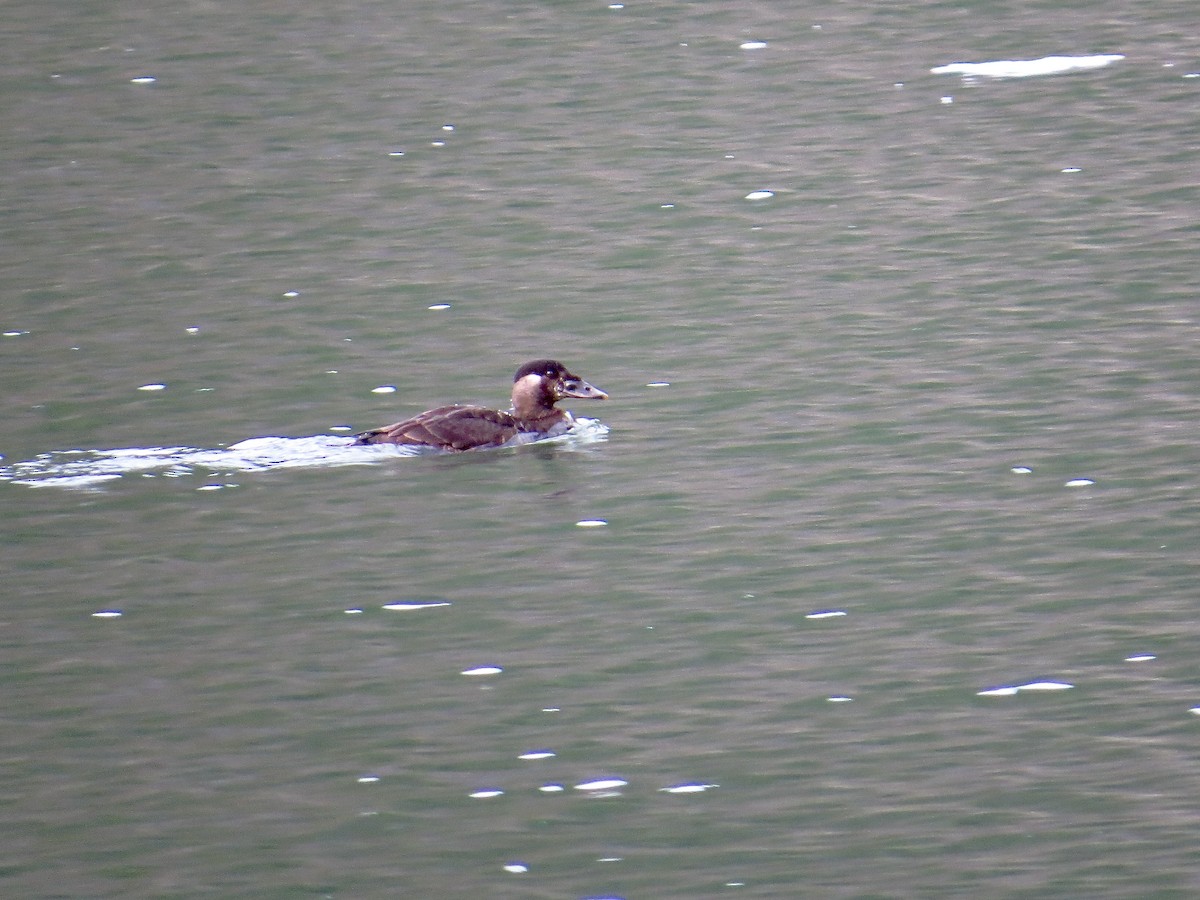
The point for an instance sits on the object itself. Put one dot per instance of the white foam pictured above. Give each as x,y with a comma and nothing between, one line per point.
1007,691
1011,689
603,784
1045,686
1027,68
691,787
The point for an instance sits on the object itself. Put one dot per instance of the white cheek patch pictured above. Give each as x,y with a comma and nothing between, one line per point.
536,387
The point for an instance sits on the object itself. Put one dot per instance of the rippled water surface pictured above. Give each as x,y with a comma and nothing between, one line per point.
876,577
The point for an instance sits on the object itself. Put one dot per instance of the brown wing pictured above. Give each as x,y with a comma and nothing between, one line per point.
447,427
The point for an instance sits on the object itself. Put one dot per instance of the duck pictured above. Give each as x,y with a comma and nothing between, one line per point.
537,386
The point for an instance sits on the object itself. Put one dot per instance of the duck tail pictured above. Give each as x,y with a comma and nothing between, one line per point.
368,437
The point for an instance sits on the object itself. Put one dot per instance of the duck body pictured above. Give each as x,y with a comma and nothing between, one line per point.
537,386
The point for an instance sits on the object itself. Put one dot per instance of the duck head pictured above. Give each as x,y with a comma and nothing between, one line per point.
543,382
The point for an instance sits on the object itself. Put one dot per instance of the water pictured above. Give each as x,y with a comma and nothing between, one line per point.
940,377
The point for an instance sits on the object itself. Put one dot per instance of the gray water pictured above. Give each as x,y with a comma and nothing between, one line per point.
880,583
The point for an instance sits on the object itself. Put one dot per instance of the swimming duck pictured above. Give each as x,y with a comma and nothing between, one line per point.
537,386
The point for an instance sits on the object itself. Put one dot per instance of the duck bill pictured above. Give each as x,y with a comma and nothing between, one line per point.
579,389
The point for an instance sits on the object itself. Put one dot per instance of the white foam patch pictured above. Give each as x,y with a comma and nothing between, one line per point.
997,692
82,468
1027,68
1010,690
603,784
690,787
409,605
1045,686
583,431
71,482
483,670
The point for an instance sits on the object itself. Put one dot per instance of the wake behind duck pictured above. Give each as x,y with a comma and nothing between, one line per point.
537,386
